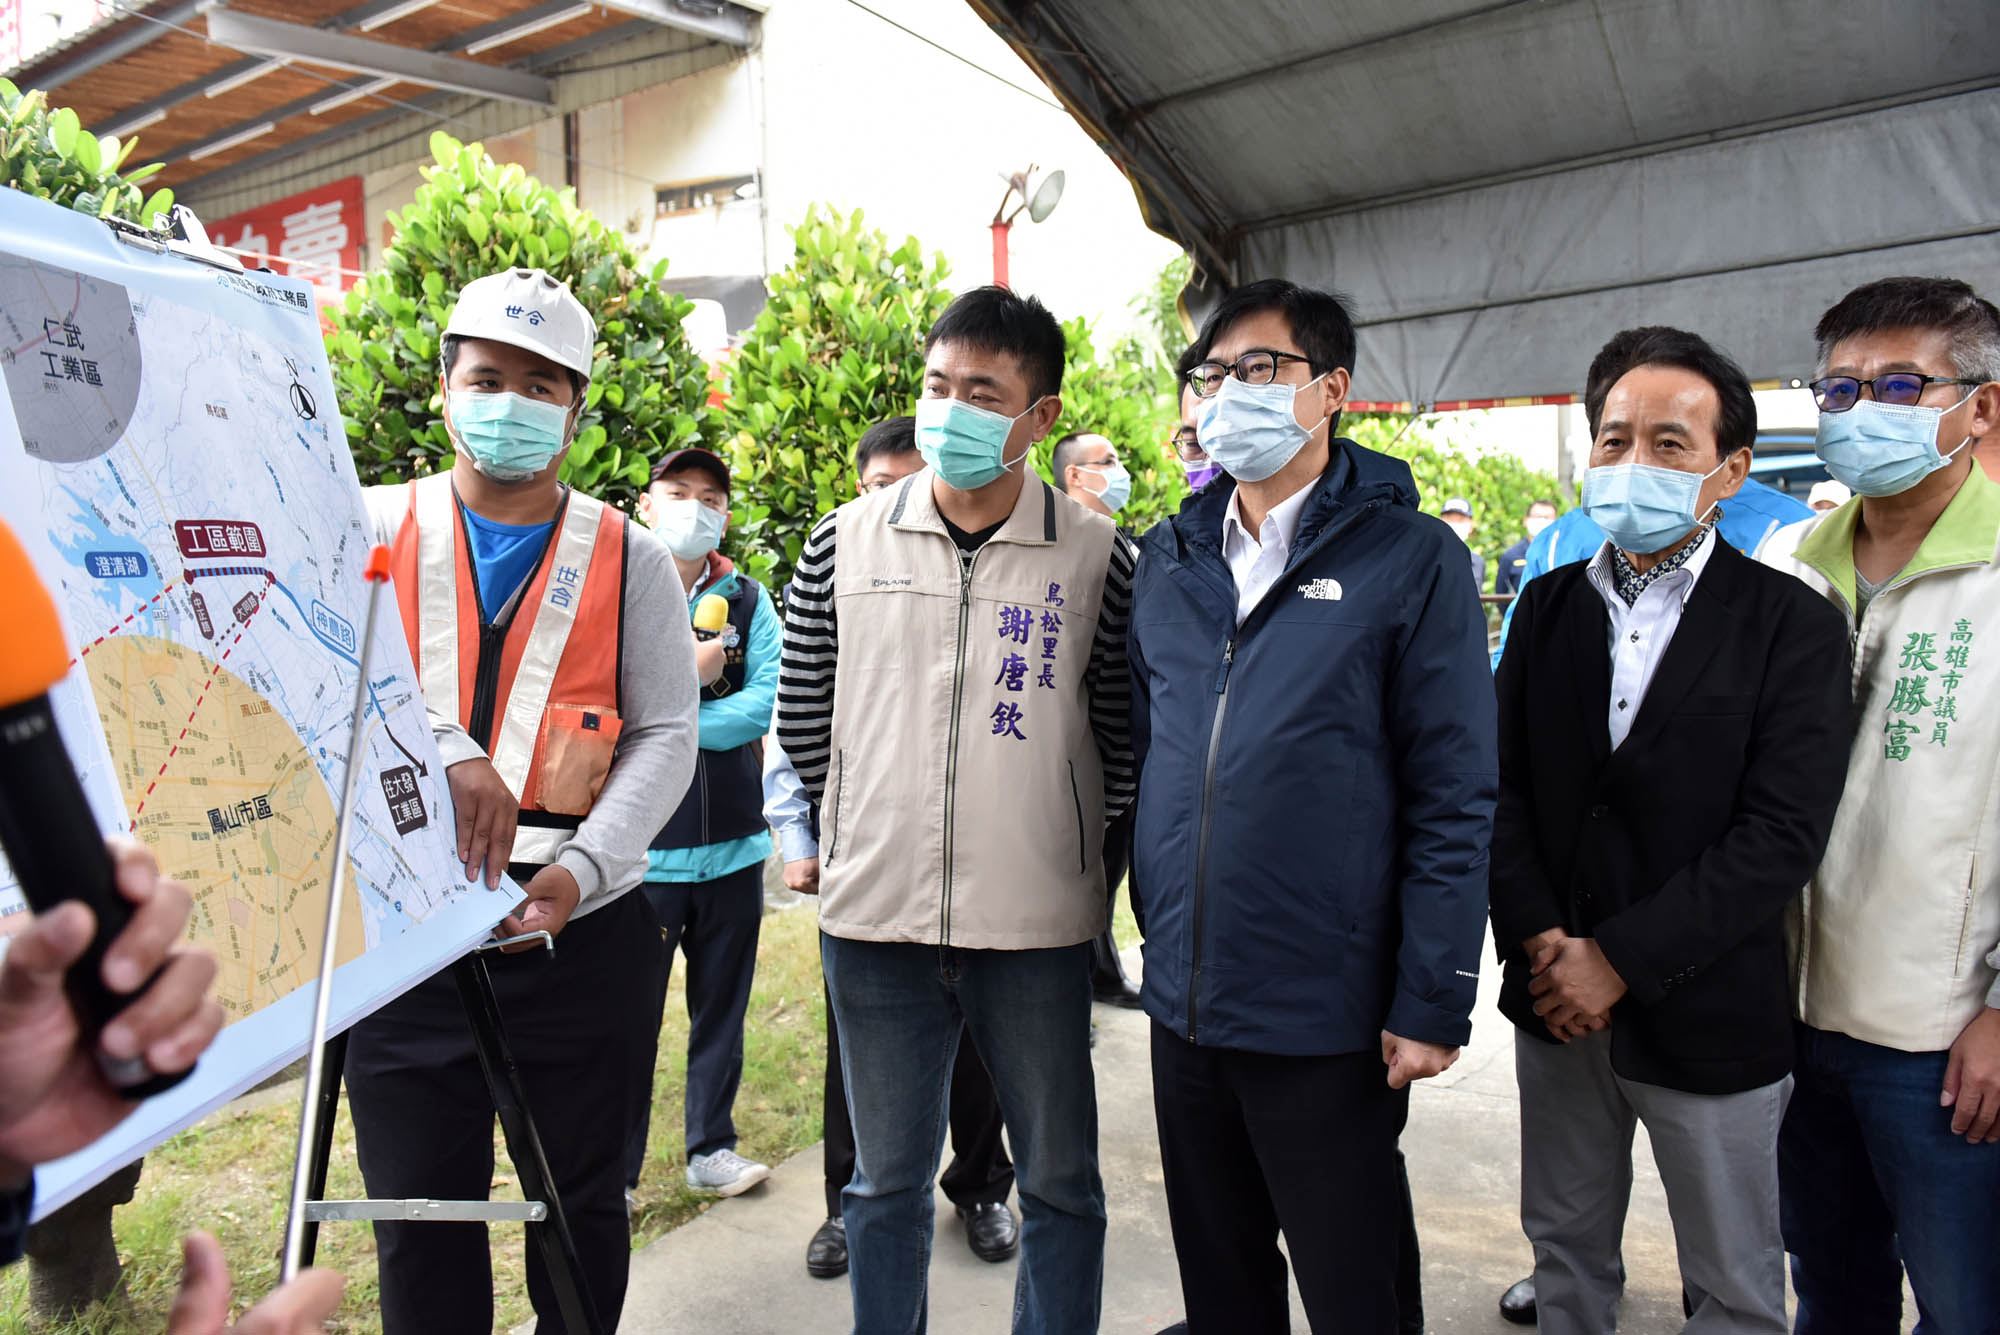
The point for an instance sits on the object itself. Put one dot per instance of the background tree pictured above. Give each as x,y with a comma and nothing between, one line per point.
48,153
839,347
472,217
1499,486
1126,396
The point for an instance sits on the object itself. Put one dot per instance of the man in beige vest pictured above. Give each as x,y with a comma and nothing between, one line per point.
954,694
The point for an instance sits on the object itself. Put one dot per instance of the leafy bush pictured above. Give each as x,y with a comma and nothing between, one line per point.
1159,308
1499,486
1126,396
839,347
47,153
473,217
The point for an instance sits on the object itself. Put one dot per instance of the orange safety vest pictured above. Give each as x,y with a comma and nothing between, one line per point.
548,663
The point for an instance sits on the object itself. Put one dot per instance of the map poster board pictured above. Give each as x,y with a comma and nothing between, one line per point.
171,456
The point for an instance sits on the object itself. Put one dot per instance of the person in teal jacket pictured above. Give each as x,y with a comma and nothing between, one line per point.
705,871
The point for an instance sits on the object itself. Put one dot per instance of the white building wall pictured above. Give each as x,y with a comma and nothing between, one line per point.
834,107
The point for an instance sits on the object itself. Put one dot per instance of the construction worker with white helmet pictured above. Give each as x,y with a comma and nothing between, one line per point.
566,744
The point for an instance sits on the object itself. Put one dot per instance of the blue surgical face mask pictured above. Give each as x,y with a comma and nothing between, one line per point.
509,438
1642,508
690,529
1881,449
1117,488
1251,431
966,445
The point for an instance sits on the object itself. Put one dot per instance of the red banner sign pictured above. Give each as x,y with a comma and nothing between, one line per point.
314,235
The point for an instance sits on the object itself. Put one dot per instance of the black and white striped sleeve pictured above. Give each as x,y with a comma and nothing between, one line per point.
1109,681
805,667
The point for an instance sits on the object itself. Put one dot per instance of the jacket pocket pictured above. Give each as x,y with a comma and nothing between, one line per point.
839,790
1965,920
1076,798
576,746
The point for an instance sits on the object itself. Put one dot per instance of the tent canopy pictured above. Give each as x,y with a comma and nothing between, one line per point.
1499,185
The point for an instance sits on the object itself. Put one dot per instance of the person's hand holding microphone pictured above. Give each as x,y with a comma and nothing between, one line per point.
102,1001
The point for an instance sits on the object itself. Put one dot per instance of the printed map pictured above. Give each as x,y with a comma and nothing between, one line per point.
174,459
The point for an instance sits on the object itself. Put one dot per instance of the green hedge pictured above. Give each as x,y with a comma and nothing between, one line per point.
48,153
473,217
839,347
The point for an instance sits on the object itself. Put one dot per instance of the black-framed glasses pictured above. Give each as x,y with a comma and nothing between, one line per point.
1186,447
1259,366
1838,393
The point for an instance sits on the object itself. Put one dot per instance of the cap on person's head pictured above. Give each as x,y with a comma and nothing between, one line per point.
1829,490
1457,505
530,309
682,460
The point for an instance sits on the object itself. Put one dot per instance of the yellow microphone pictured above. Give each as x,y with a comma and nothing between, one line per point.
711,616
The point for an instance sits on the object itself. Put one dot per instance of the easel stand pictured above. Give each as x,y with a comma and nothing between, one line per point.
542,1209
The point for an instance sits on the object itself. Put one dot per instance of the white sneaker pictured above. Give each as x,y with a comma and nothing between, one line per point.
725,1173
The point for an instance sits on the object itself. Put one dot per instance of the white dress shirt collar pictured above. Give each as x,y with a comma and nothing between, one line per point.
1604,578
1638,635
1282,521
1256,562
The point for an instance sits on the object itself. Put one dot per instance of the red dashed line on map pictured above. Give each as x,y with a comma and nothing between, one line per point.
84,652
175,749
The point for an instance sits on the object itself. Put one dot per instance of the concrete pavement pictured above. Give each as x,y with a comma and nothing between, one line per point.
739,1269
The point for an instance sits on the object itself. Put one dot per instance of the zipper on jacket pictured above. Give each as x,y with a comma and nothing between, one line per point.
839,791
1296,561
1207,818
1082,845
701,772
965,565
486,685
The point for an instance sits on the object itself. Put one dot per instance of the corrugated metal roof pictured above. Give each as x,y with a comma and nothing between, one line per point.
159,72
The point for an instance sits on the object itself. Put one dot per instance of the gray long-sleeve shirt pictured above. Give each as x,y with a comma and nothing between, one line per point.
658,697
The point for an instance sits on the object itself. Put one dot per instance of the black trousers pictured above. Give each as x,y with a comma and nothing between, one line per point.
1254,1145
981,1173
715,924
423,1118
1106,969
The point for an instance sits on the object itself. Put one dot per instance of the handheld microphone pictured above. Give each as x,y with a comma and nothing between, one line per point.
46,826
711,616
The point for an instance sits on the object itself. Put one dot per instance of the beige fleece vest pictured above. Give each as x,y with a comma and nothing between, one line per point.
964,801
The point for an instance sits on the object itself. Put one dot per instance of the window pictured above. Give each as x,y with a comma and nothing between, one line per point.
694,196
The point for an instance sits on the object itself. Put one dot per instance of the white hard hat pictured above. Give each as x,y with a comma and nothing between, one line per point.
527,308
1829,490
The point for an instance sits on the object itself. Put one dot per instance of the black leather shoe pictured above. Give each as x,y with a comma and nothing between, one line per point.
1518,1303
1115,992
826,1254
990,1231
1178,1328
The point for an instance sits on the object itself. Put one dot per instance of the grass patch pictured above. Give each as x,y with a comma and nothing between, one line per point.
231,1174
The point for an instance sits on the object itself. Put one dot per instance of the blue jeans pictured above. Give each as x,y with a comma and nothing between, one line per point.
899,1008
1872,1181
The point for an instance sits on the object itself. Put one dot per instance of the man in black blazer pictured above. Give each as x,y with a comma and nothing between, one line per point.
1674,724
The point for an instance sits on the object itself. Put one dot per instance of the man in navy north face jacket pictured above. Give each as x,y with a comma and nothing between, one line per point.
1318,772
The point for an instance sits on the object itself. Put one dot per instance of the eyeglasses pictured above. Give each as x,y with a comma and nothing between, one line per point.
1187,447
1257,367
1838,393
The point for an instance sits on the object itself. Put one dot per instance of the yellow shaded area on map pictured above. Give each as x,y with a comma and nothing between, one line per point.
260,881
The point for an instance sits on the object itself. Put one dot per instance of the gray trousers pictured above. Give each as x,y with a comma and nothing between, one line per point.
1718,1158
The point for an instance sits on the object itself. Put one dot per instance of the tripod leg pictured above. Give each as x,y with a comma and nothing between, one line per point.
524,1146
322,1151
